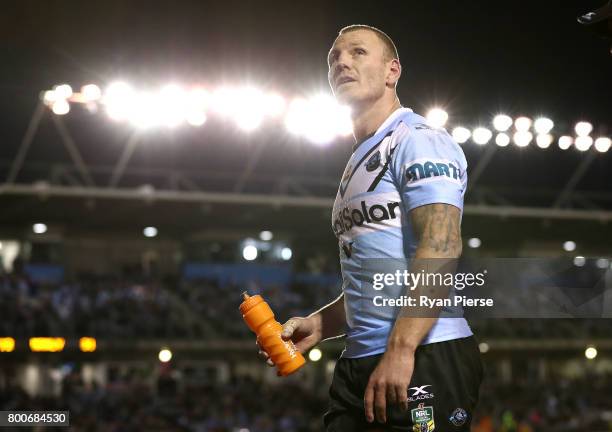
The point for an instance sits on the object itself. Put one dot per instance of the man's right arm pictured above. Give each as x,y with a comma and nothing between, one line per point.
331,319
327,323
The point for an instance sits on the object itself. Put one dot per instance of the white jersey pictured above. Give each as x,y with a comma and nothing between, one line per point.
404,165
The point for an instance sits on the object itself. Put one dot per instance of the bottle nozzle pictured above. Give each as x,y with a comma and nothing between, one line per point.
245,296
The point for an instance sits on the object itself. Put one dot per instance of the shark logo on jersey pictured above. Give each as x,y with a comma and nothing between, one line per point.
422,169
373,162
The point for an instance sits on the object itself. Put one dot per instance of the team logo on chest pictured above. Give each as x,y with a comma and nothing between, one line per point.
373,162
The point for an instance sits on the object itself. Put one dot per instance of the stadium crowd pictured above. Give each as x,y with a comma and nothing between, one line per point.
244,404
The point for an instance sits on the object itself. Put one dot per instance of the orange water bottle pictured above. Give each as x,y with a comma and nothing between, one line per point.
260,318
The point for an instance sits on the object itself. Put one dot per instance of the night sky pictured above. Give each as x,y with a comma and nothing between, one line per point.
476,58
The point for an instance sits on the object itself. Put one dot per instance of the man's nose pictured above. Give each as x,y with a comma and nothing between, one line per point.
341,64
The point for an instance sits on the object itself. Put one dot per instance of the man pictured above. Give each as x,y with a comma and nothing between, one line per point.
401,197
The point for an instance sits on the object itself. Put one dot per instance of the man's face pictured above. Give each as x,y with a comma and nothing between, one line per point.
357,67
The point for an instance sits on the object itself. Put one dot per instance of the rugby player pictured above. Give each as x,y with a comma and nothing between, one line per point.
401,196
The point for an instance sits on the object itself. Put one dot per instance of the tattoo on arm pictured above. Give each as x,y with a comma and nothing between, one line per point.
438,229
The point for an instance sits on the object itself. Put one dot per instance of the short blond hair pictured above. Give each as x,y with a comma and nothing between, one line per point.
390,50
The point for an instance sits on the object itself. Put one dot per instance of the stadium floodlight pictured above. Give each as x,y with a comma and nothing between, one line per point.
579,261
63,91
461,134
196,118
39,228
319,119
286,253
315,354
172,105
437,117
602,144
49,97
481,135
522,124
543,125
248,110
274,104
266,235
150,232
565,142
522,138
544,140
590,353
249,252
119,100
583,143
583,128
569,246
502,139
602,263
60,107
165,355
91,92
474,242
502,122
483,347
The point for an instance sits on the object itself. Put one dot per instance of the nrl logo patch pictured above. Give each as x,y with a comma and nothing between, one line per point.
423,418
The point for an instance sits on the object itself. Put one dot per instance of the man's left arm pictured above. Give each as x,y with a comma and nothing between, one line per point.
437,228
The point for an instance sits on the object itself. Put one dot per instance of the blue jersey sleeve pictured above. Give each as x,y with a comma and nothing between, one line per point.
429,167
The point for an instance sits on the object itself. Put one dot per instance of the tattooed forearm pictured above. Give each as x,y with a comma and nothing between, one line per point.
437,228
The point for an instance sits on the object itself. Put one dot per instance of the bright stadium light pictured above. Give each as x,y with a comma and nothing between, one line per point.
583,143
583,128
60,107
602,263
274,104
483,347
565,142
544,140
315,354
172,104
569,246
49,96
196,118
481,135
522,124
543,125
319,119
590,353
522,138
602,144
474,242
91,92
286,253
150,232
39,228
119,100
165,355
461,134
502,139
249,252
248,111
63,91
579,261
437,117
502,122
266,235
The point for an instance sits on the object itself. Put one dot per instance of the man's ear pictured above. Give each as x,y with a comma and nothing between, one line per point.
395,71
